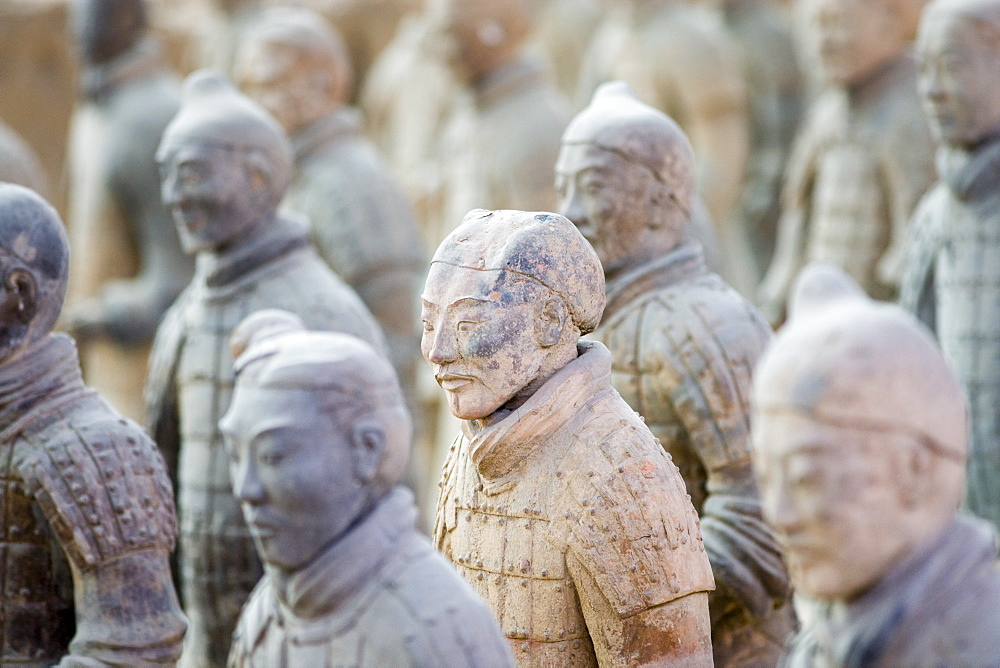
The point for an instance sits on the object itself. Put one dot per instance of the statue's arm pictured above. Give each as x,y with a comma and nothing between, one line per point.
127,613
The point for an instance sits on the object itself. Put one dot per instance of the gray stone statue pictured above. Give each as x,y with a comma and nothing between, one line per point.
225,164
864,156
953,272
556,502
297,68
318,436
503,139
128,266
88,518
860,442
683,345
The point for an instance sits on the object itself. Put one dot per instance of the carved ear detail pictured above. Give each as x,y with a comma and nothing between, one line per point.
368,443
551,320
22,287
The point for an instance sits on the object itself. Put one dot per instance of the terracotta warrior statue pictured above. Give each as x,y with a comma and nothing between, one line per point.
683,345
18,162
953,274
556,502
225,164
503,139
297,68
318,436
684,64
859,431
88,511
864,155
128,266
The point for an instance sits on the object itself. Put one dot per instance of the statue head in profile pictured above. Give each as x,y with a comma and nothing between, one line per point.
317,432
959,50
859,433
626,178
34,269
508,295
225,164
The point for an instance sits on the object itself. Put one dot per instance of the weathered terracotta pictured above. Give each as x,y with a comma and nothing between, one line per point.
685,65
128,266
361,224
225,164
864,155
503,138
88,517
859,430
18,162
953,278
318,436
683,345
556,503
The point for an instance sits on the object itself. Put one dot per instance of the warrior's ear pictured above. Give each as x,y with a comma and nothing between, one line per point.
368,444
22,296
552,316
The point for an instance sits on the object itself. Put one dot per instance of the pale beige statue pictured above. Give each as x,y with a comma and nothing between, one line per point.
683,345
953,268
293,64
864,155
18,162
225,164
563,30
681,62
860,440
502,141
318,436
556,504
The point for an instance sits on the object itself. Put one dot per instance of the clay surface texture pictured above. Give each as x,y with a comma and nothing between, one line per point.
88,516
128,266
225,165
683,345
318,437
953,273
864,156
860,439
556,504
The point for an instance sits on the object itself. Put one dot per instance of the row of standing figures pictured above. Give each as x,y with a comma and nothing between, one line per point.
607,582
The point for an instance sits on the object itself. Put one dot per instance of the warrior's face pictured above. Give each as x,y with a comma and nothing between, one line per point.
854,37
481,337
292,470
211,191
832,496
958,80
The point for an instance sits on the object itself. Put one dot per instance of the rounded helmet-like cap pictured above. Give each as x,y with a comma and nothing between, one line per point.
844,359
213,112
617,121
543,246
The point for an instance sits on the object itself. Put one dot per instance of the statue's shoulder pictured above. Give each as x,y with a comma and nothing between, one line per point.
101,483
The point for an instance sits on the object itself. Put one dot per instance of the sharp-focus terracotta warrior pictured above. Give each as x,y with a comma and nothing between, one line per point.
318,436
557,504
88,517
225,164
128,264
360,221
18,163
685,65
763,33
864,156
953,273
502,142
859,432
683,345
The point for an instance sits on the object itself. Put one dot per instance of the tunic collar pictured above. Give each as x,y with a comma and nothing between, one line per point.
499,449
683,262
351,564
339,124
232,268
971,175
